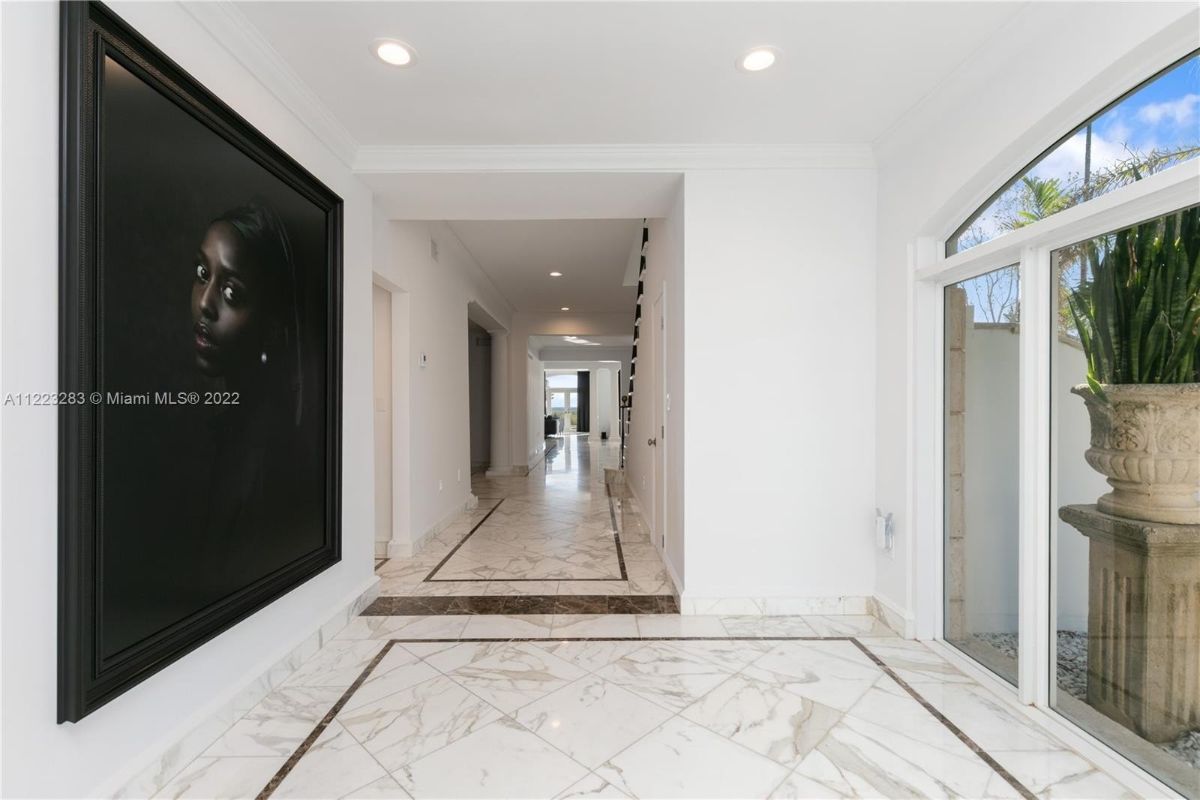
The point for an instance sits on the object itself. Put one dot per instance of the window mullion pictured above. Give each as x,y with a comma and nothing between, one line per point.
1037,330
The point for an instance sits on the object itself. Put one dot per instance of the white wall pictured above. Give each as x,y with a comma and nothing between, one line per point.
535,409
438,403
94,756
780,291
936,165
664,270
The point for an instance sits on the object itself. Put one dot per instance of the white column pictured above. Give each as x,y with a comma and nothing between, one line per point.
593,405
501,457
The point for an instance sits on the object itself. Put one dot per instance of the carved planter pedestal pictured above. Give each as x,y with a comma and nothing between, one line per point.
1143,621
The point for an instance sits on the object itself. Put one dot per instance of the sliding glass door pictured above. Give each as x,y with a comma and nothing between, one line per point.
980,378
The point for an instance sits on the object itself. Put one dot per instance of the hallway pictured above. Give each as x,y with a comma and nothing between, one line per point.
533,649
561,531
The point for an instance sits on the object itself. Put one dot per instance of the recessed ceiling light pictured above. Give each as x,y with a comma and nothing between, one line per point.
394,52
565,308
758,59
555,274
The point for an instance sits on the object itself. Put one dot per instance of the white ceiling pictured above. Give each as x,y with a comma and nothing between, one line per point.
535,73
519,256
538,342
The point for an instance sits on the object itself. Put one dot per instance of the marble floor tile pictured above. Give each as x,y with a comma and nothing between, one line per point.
589,656
334,766
230,778
682,759
664,674
593,587
449,626
592,786
278,724
506,675
385,788
679,626
500,760
518,626
337,664
768,720
592,720
832,673
849,625
398,670
409,724
896,766
913,662
522,587
595,625
767,626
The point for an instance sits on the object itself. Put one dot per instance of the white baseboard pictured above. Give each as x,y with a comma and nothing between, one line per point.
514,471
696,603
887,612
419,542
157,767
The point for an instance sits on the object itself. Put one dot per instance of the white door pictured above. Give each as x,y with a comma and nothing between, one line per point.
382,312
659,400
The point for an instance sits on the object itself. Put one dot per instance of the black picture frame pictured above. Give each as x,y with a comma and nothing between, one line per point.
87,677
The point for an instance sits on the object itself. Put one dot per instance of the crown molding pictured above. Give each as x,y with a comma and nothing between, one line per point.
237,34
382,159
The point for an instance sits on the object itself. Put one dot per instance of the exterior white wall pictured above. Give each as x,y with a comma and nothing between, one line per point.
939,163
991,476
437,410
95,756
664,268
780,292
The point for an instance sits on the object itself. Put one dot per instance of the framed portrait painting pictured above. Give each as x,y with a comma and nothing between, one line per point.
199,365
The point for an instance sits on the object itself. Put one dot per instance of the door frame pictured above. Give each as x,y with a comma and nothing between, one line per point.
659,343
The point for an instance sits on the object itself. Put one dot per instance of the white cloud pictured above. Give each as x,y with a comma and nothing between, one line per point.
1068,157
1178,112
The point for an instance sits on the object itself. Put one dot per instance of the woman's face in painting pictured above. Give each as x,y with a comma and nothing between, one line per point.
225,309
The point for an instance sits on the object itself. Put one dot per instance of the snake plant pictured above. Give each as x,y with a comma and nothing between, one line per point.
1139,316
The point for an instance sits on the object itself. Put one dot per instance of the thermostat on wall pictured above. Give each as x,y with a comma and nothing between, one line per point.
423,361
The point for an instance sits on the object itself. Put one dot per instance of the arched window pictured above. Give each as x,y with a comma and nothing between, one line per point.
1151,128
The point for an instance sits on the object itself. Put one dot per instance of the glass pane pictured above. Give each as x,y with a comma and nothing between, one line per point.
1126,493
1153,127
562,380
981,468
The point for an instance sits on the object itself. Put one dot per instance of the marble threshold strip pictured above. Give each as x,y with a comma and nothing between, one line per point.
958,732
409,606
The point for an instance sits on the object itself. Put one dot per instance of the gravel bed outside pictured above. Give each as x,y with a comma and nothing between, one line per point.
1072,678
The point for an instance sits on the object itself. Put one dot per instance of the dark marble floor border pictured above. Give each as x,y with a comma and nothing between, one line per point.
429,578
962,736
325,721
405,606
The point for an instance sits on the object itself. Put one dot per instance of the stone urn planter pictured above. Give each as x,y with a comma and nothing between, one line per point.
1146,442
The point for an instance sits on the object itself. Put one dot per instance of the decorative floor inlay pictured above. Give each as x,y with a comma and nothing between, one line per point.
545,724
567,528
523,604
419,707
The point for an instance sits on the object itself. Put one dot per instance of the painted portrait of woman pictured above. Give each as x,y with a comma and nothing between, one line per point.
216,286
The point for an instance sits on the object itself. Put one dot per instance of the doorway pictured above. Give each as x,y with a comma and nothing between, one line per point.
661,401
